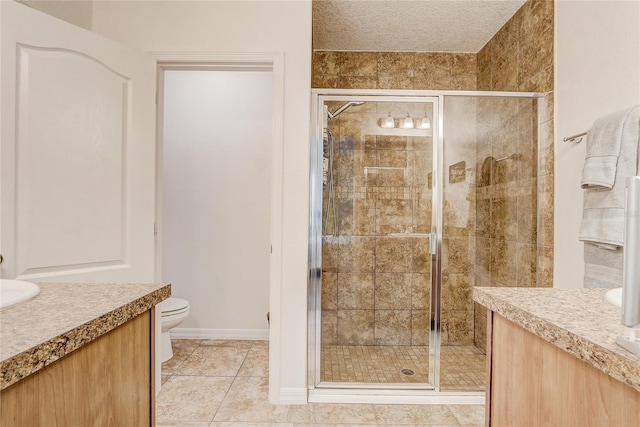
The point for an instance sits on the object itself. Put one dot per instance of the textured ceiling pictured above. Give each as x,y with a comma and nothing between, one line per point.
409,25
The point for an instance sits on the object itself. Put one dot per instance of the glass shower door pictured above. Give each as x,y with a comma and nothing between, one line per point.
371,228
489,200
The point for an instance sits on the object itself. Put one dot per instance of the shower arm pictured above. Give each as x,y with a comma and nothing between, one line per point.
342,108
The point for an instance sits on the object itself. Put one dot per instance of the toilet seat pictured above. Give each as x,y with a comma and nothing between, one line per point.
173,306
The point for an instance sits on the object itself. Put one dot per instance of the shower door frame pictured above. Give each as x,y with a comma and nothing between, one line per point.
315,239
379,392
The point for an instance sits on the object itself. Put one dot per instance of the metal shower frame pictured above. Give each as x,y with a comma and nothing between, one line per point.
375,392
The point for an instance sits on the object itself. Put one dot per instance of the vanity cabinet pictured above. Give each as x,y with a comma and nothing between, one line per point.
531,382
106,382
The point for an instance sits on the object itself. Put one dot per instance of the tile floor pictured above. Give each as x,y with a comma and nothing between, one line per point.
374,363
462,368
224,384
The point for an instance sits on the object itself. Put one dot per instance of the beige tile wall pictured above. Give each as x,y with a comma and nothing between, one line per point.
502,243
394,70
518,58
375,288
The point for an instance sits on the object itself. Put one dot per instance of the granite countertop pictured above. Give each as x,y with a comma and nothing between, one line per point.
63,318
578,321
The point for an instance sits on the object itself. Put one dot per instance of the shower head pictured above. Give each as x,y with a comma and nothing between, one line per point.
342,108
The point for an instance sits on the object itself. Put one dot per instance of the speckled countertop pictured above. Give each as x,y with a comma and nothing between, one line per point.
64,317
578,321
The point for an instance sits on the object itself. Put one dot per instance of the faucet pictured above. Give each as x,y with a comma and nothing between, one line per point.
630,338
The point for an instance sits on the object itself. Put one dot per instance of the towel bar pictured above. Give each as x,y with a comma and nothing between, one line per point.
573,138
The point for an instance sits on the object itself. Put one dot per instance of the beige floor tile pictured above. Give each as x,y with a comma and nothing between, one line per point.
215,361
428,425
181,350
462,367
246,424
336,425
238,344
414,414
182,424
342,413
256,364
247,401
468,414
199,391
302,414
191,398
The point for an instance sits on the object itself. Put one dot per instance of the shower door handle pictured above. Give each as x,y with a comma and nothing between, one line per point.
433,243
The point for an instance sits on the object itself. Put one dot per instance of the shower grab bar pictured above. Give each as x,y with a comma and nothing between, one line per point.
575,138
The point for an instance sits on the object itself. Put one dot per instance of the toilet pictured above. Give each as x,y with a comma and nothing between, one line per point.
173,311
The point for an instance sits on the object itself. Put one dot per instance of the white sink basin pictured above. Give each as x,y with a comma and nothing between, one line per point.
614,296
16,291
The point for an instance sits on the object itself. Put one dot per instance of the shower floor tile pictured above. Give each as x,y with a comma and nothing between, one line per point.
374,364
462,368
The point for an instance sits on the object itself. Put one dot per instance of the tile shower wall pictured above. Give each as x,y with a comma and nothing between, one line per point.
518,58
394,70
459,216
405,70
376,271
520,247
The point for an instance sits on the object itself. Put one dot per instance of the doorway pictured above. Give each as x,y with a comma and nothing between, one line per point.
214,178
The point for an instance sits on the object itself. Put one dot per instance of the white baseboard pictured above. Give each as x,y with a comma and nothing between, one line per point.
293,396
219,334
396,397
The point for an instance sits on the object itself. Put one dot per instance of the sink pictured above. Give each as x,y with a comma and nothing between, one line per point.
16,291
614,296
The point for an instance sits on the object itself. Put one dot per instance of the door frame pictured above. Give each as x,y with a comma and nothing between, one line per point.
274,62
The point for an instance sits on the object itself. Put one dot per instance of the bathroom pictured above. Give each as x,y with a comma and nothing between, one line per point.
576,85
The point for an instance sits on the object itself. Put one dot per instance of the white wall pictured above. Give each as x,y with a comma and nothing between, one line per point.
245,26
76,12
597,50
216,185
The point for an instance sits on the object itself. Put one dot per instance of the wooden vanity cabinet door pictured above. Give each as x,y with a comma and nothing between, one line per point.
107,382
534,383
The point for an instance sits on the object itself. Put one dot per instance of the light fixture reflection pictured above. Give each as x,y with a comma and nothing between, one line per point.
425,123
388,123
407,123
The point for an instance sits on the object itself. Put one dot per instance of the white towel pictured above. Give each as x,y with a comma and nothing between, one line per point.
604,140
603,214
602,267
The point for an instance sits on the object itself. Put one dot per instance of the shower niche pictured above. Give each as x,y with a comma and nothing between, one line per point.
414,197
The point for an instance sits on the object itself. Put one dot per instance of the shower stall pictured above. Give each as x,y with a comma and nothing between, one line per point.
416,197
